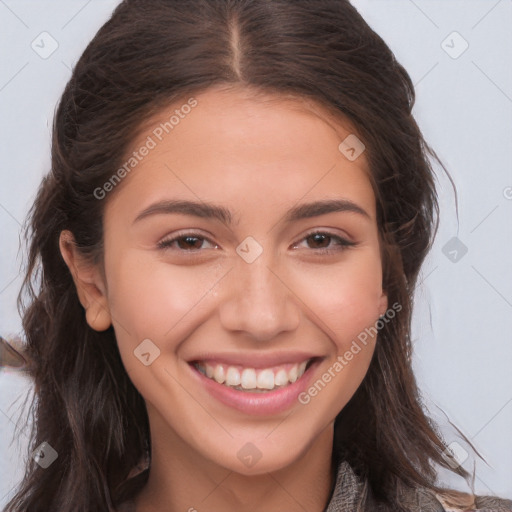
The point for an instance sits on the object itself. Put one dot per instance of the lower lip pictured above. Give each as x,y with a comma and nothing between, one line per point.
267,403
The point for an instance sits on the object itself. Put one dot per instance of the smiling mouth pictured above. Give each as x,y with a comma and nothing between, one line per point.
254,380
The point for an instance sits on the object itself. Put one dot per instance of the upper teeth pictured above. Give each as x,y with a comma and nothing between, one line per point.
250,378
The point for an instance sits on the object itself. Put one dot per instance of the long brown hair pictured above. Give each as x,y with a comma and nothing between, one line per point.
150,54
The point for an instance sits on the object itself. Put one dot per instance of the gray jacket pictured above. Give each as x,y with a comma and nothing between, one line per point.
349,489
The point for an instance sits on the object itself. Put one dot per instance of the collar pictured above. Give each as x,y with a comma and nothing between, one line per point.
347,490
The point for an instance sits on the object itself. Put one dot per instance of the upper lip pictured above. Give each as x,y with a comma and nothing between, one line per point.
254,359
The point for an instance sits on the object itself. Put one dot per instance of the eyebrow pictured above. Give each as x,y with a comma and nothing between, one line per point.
212,211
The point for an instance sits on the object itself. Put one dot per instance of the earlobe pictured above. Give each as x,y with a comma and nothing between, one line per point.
88,282
383,303
98,317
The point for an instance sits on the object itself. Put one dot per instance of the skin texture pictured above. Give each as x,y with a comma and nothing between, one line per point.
257,156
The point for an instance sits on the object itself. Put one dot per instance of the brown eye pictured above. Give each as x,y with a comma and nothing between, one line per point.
322,242
189,242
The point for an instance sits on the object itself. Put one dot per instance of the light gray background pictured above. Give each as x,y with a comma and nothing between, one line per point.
462,336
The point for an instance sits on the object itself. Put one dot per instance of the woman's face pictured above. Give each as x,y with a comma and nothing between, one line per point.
224,254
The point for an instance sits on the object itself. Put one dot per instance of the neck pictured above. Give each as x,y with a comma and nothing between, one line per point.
181,479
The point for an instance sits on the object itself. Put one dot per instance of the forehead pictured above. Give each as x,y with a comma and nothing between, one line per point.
234,143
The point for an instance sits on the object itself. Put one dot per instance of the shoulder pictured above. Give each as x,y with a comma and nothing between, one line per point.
351,490
454,501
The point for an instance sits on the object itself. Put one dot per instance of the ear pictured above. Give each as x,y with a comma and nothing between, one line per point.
89,283
383,303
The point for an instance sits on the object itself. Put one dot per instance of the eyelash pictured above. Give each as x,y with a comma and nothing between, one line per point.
342,243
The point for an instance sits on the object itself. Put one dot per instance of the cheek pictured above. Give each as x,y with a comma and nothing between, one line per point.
346,301
345,298
150,298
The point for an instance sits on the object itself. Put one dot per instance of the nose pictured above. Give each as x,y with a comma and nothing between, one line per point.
259,301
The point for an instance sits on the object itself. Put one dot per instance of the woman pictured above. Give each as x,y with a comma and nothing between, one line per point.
230,236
